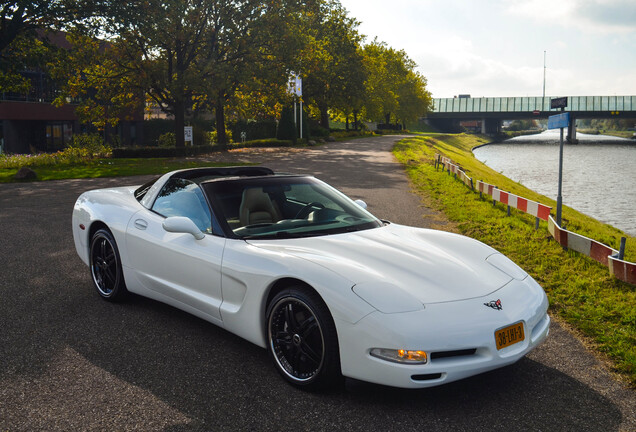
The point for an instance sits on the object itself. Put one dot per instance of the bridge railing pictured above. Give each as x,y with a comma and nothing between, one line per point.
530,104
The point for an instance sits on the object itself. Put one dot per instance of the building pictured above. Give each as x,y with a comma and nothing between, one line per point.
30,123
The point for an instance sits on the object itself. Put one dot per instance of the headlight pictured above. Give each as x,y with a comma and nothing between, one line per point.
400,355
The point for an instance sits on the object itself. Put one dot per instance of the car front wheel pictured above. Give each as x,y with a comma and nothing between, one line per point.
302,339
106,269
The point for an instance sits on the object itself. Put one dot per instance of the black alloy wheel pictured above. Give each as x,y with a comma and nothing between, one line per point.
106,269
302,339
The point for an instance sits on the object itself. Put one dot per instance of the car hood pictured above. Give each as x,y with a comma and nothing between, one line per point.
431,266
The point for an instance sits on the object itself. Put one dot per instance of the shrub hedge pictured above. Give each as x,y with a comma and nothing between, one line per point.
162,152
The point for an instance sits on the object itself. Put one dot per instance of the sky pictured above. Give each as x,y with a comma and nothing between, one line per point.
490,48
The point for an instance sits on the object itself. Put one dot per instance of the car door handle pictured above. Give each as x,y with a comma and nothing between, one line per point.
141,224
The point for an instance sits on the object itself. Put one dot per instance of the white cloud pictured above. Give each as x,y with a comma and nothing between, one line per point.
595,16
495,47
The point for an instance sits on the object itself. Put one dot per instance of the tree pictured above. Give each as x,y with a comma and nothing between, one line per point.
332,63
93,77
24,27
194,54
394,88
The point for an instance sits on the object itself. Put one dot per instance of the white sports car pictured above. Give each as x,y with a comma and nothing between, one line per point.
291,264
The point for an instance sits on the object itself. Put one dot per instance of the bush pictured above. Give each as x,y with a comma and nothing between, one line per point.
167,140
88,145
155,128
255,130
166,152
286,127
389,126
211,137
269,142
350,133
68,156
319,131
162,152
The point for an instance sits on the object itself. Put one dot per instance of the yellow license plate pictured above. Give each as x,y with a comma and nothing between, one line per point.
509,335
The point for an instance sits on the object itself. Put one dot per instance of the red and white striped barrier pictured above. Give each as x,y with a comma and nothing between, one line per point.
525,205
623,270
595,250
454,169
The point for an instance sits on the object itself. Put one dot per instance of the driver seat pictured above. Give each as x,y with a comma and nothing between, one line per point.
257,207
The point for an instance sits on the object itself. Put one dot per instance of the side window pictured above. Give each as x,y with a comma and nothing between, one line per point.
181,197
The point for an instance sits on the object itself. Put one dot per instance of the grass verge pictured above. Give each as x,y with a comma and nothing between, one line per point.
580,290
108,168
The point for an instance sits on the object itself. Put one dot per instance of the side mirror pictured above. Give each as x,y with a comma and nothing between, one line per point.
180,224
361,203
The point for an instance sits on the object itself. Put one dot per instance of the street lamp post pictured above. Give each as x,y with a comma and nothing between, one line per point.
544,74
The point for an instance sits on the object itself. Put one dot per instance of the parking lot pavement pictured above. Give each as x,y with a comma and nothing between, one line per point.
70,361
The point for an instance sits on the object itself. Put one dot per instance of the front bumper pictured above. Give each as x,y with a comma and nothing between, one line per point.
459,338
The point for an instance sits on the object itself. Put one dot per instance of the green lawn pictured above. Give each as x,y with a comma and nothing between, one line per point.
580,290
108,168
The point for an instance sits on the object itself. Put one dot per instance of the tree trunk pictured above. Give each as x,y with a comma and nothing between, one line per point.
347,124
387,117
324,115
179,123
355,120
221,138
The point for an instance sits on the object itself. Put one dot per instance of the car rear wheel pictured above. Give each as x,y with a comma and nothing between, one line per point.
302,339
106,268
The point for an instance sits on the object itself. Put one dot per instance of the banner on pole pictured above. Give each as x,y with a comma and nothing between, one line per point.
295,85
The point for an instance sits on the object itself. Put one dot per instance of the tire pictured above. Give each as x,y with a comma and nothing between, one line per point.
302,339
105,266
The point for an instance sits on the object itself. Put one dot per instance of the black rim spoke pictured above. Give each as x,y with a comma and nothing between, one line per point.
310,353
308,326
290,317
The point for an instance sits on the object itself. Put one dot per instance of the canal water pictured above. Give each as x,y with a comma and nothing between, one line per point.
599,173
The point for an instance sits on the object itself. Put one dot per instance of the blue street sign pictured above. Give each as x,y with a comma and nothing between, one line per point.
559,121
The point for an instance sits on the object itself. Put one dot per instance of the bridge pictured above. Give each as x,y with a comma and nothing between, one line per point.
491,111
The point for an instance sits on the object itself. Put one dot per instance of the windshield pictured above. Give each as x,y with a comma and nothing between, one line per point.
285,207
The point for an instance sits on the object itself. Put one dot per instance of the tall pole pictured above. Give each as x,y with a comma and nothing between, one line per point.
544,74
301,118
559,198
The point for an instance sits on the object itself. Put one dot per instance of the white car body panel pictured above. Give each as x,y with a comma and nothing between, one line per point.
432,266
175,265
392,287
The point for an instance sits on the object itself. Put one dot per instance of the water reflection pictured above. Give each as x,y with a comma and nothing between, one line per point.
599,173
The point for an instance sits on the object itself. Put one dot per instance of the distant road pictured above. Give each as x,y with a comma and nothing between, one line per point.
70,361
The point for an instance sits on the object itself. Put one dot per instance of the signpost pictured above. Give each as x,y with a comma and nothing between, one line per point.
187,134
561,102
295,87
559,121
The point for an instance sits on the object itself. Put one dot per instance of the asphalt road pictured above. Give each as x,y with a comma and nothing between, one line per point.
70,361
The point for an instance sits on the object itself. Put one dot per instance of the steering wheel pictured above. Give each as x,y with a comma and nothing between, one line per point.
304,212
